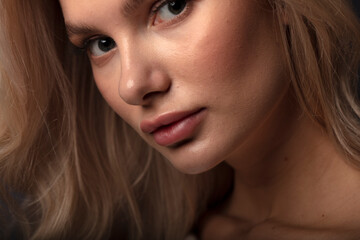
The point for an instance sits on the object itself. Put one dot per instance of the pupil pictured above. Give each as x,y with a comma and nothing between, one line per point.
106,44
176,7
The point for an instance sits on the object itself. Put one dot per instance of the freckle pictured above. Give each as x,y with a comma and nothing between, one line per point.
286,159
323,215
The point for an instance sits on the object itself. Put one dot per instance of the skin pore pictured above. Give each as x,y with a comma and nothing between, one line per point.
223,62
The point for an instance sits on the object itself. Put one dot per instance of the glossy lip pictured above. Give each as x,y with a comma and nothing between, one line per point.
150,126
173,127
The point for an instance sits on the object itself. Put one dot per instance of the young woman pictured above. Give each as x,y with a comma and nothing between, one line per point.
249,110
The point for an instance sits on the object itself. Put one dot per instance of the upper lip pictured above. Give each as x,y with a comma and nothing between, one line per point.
151,125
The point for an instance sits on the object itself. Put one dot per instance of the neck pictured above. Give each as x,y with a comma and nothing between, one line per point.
293,173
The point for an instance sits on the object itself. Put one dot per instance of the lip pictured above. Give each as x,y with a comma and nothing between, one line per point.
173,127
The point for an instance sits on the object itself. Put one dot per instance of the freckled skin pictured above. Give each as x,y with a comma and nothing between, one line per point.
223,57
290,180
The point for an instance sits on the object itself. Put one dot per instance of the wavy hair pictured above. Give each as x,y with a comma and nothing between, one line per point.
85,174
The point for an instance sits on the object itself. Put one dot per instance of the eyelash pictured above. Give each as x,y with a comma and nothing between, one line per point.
158,5
85,43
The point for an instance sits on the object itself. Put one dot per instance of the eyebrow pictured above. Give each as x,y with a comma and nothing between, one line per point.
82,29
131,6
128,9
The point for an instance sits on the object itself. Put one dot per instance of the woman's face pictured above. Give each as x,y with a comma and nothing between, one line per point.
194,78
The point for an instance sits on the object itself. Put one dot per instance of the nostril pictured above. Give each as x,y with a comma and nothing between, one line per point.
160,91
151,95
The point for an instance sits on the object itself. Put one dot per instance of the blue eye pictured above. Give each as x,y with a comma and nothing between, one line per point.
101,46
169,10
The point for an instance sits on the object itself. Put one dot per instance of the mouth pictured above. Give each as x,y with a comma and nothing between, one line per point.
171,128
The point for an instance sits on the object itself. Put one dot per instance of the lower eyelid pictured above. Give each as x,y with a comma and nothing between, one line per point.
100,61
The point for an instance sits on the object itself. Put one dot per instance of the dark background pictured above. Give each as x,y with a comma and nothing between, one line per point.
357,5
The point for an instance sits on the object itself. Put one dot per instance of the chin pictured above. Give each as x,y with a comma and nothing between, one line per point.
188,161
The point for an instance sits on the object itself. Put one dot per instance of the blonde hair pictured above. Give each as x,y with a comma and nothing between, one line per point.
83,171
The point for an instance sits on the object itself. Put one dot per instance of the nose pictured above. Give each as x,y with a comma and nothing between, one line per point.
141,76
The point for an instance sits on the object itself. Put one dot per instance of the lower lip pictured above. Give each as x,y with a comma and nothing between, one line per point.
178,131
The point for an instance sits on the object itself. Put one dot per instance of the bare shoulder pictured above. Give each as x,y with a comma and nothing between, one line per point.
221,227
276,231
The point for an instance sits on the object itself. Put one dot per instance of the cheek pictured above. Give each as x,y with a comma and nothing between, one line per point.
222,45
106,82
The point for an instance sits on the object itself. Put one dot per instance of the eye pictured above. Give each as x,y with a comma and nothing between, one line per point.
169,10
100,46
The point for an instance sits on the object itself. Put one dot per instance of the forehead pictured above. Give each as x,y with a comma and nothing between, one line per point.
86,10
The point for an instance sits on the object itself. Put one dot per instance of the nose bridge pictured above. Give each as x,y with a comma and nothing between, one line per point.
137,79
130,55
132,69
